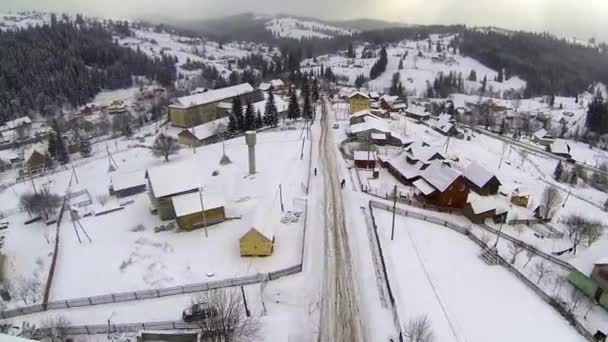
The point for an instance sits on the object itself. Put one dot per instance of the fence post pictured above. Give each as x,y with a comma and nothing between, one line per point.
135,294
113,299
90,302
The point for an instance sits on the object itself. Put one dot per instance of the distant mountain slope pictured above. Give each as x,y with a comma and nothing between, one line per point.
290,27
367,24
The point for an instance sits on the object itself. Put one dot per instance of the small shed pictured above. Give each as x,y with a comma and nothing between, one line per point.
520,199
365,159
357,102
127,184
201,134
501,215
189,211
600,273
560,148
256,242
479,210
542,137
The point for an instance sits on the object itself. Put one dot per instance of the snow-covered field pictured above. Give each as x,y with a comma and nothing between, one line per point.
133,260
437,272
297,28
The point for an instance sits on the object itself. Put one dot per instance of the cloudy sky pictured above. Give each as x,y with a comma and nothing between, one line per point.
575,18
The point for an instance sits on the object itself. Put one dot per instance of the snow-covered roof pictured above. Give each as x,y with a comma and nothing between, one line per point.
560,146
207,129
424,186
8,155
190,203
602,261
24,120
213,96
481,206
369,124
417,110
174,178
358,93
264,86
278,102
389,99
41,148
440,176
542,134
363,155
417,151
477,174
597,254
374,94
404,168
123,181
277,83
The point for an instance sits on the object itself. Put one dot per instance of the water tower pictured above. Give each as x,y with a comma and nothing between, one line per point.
250,140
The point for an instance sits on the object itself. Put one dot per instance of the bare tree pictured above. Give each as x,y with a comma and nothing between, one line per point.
558,282
54,329
26,289
418,330
515,249
230,321
164,146
542,271
574,300
581,229
549,202
41,203
102,199
529,255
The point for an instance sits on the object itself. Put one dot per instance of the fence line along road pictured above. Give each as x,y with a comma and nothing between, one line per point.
148,294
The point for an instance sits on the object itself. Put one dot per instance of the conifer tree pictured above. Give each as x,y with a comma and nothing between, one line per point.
270,111
307,109
249,117
315,90
61,152
85,146
237,112
293,110
559,170
233,125
52,145
259,123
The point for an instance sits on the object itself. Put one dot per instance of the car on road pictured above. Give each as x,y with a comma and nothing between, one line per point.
199,312
336,126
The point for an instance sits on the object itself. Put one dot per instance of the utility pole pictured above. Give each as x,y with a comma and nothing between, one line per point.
394,210
281,197
498,236
200,195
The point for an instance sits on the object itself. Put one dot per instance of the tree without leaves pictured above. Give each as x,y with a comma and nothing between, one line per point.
529,255
41,203
581,229
85,146
550,201
26,289
54,329
418,330
231,322
515,249
575,298
164,146
542,271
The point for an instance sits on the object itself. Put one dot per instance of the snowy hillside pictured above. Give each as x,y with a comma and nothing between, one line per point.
296,28
12,21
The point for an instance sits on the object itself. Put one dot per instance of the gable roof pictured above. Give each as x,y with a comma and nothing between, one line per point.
417,110
261,105
560,146
440,176
207,129
190,203
363,155
417,151
213,96
256,231
542,134
480,206
358,93
41,148
424,186
478,175
123,181
174,178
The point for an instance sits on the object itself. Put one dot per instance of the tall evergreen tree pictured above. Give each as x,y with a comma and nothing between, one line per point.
237,111
249,117
401,64
351,51
61,152
307,109
484,83
315,90
233,124
270,110
293,110
259,123
52,145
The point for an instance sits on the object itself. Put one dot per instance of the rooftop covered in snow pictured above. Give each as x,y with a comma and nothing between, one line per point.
213,96
440,176
174,178
477,174
191,203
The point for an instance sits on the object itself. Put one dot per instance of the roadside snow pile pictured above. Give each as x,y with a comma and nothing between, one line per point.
291,217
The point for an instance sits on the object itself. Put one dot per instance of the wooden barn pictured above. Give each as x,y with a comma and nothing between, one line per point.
197,109
442,186
197,209
127,184
365,159
167,181
201,134
256,242
357,102
480,180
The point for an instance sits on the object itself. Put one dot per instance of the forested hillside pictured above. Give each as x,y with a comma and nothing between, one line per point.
67,63
550,65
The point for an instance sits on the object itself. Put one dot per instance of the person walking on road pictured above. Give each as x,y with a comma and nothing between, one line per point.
315,171
342,183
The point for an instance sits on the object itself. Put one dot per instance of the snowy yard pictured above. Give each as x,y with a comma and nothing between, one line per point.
437,272
125,254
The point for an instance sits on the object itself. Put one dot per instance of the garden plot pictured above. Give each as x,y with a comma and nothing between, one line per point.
437,272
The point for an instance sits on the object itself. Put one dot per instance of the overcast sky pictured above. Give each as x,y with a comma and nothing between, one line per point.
574,18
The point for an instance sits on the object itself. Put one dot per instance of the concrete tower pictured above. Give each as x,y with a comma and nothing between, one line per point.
250,139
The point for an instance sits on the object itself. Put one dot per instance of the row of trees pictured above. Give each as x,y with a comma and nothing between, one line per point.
380,66
597,115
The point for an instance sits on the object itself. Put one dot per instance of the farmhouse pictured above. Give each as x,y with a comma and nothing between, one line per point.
442,186
360,117
373,125
357,102
256,242
197,209
403,170
9,157
542,137
392,103
37,159
22,122
481,180
198,109
417,112
444,127
277,85
127,184
202,134
260,107
365,159
560,148
167,181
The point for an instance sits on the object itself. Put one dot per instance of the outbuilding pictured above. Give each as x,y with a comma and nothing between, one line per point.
357,102
479,210
257,241
481,180
202,134
197,209
127,184
365,159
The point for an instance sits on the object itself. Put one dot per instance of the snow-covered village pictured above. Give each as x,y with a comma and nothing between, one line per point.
284,178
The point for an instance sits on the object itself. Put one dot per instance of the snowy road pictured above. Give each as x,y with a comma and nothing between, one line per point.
340,319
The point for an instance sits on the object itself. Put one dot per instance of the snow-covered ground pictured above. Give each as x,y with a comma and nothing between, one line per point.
297,28
15,21
437,272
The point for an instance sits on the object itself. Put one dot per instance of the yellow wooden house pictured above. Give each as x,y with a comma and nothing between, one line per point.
196,209
256,242
357,102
